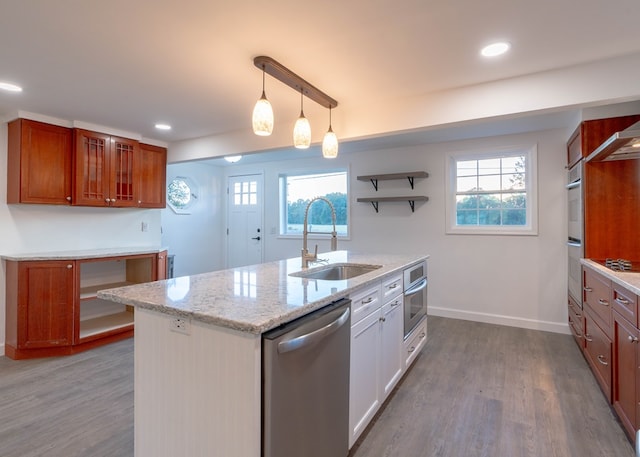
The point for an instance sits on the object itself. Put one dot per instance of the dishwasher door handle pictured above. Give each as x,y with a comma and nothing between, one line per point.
313,337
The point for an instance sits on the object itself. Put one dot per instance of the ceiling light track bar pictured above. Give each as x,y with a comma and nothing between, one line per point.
283,74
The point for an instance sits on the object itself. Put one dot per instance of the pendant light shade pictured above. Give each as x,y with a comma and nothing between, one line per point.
302,129
262,119
330,142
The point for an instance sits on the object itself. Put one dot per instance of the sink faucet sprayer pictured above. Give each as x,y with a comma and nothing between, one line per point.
306,257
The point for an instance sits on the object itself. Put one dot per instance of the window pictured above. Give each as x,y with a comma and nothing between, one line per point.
492,192
181,194
297,190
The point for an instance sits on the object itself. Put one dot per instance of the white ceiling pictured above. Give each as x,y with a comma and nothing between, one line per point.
130,64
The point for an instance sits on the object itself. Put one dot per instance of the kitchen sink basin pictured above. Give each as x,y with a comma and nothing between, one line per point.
336,271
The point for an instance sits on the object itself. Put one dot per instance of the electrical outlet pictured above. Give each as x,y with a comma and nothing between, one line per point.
144,226
180,326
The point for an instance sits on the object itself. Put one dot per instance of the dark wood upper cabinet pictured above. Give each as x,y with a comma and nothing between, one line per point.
105,170
39,163
152,177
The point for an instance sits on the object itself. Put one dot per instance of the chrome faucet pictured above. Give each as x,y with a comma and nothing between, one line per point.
306,257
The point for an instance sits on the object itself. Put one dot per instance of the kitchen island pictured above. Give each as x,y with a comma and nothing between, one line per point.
198,348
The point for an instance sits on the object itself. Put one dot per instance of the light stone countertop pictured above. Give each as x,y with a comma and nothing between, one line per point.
256,298
84,253
626,279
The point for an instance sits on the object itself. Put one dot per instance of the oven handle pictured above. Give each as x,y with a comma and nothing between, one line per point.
575,244
573,185
417,288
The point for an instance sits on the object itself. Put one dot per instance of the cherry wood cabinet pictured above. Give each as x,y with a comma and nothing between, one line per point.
597,351
576,324
39,306
38,163
625,393
52,308
152,177
611,192
105,170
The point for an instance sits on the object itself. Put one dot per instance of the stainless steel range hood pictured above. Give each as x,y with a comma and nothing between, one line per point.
620,146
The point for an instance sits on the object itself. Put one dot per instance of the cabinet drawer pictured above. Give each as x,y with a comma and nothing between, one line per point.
597,350
596,297
625,302
575,322
391,287
364,302
415,342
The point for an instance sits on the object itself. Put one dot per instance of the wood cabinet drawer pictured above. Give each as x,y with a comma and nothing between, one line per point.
597,350
575,322
364,302
391,287
625,302
596,297
625,352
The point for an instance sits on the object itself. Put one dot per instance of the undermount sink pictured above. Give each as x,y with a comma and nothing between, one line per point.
336,271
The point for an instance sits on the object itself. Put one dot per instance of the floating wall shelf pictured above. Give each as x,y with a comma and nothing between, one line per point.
411,199
411,175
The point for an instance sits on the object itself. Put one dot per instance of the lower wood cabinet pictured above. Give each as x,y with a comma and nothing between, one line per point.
52,308
626,396
597,351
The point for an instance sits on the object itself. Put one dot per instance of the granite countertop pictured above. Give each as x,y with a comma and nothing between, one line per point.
84,253
627,279
256,298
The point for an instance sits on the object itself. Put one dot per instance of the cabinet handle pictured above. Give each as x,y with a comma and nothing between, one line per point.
633,339
622,301
113,200
603,302
107,200
393,286
68,199
69,267
368,300
588,337
422,335
587,289
383,319
411,349
395,303
602,360
578,316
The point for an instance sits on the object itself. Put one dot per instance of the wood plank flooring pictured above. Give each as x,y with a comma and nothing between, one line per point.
476,390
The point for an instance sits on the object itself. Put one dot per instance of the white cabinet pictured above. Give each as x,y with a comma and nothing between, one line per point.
376,351
414,342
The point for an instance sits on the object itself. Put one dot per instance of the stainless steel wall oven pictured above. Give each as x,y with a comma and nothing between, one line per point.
415,296
575,231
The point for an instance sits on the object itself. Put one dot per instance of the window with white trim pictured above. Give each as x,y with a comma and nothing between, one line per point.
492,192
297,190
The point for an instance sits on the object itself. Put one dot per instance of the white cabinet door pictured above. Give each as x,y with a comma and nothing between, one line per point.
391,347
364,388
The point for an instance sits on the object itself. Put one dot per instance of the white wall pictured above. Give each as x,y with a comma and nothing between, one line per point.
196,238
49,228
513,280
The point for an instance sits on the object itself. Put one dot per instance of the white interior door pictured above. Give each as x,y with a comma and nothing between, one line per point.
244,216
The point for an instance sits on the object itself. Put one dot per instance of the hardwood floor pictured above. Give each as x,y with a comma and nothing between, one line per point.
476,390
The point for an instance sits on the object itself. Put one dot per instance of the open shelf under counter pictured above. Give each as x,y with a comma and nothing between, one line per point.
105,324
90,292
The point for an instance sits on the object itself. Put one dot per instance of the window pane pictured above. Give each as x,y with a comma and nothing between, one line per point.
467,217
514,217
489,201
490,182
489,167
467,184
514,201
513,181
467,168
466,202
513,164
489,217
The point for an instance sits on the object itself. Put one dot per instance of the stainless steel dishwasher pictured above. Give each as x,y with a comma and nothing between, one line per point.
305,385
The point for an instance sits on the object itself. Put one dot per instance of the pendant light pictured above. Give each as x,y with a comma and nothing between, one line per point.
262,119
330,142
302,128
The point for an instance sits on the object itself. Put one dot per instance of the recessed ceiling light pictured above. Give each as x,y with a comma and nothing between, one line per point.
10,87
163,126
495,49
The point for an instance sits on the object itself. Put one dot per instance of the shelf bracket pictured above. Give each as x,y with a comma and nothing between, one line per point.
374,181
412,204
410,178
375,205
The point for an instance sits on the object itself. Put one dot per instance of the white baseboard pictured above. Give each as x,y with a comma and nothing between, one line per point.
556,327
1,349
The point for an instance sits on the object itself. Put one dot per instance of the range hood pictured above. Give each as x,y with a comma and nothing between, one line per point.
620,146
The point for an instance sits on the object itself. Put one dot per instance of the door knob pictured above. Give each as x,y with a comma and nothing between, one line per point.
256,238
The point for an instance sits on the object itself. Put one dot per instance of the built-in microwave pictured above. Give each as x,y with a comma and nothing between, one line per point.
415,296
